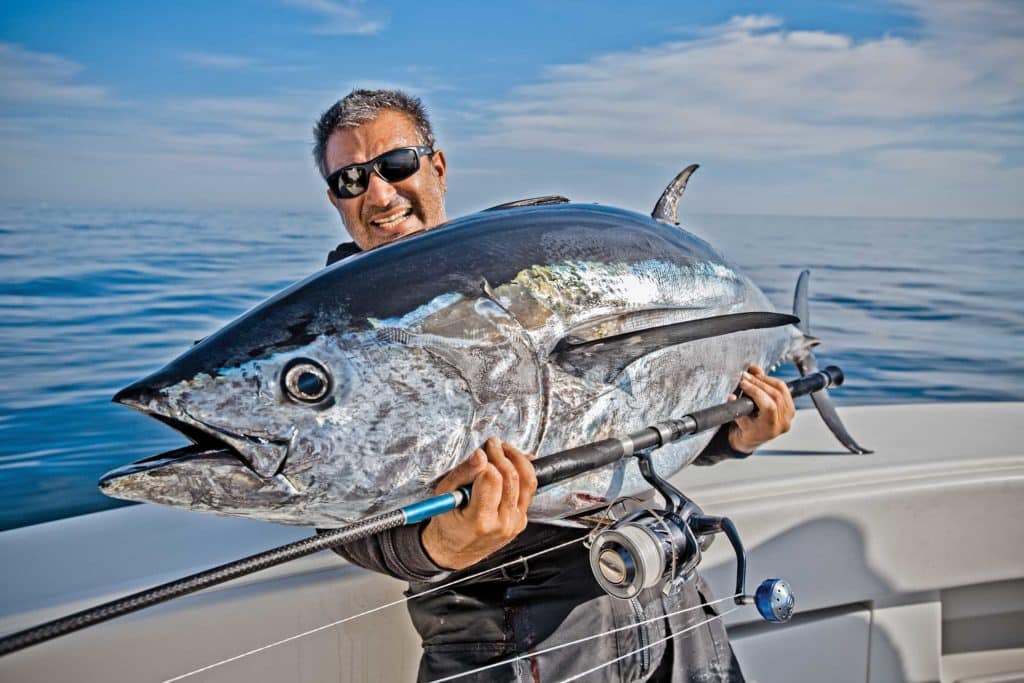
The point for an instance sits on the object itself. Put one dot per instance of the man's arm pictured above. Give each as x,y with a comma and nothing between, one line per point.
396,552
775,412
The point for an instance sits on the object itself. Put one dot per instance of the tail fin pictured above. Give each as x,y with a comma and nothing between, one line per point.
807,364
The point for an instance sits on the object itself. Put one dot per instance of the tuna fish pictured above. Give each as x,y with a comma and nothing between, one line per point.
547,324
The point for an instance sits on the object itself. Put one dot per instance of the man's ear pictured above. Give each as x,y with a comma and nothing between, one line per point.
440,165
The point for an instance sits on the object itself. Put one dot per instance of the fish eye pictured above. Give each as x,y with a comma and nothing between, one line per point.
306,380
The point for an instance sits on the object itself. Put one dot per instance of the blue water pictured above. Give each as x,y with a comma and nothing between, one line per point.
92,300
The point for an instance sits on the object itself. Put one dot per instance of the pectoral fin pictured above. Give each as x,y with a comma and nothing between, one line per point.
608,356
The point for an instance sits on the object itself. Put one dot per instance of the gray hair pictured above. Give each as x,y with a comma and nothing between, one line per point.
362,106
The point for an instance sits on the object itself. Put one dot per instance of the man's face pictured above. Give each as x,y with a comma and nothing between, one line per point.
387,211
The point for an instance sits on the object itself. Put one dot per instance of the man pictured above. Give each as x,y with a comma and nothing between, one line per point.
376,151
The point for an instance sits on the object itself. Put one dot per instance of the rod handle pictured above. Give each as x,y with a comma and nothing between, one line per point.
575,461
716,416
831,376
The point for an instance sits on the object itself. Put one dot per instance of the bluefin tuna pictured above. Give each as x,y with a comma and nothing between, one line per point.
549,324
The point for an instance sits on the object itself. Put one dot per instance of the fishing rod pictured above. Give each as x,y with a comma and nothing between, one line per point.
616,562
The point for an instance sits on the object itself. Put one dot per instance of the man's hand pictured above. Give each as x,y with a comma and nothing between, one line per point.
503,486
775,411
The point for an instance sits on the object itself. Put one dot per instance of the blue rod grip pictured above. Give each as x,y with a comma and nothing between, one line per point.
431,507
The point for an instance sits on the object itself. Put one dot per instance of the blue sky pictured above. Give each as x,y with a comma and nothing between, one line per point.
912,108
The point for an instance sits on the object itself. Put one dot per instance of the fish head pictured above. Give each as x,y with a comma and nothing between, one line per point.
299,415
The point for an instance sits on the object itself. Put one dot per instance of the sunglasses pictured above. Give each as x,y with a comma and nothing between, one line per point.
398,164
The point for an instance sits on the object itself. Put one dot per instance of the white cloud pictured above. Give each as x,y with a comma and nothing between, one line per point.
341,18
750,23
753,89
43,78
212,60
819,40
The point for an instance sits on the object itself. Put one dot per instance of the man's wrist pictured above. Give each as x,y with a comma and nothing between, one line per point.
433,546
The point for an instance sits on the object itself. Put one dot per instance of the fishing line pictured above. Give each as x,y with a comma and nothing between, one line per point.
560,646
657,642
518,560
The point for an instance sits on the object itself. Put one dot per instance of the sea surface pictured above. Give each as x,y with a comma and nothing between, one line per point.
91,300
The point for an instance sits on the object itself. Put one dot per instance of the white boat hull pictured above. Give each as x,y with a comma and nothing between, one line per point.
908,565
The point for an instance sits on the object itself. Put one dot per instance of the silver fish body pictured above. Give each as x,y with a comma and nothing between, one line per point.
355,390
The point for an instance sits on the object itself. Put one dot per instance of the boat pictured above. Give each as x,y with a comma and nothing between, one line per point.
907,565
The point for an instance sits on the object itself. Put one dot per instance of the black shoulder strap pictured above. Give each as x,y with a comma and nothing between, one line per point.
343,250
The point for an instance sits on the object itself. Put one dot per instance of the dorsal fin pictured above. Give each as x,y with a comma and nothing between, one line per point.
667,208
533,201
605,358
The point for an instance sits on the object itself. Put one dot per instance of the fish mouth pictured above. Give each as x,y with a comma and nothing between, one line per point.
213,474
113,482
265,455
200,438
204,479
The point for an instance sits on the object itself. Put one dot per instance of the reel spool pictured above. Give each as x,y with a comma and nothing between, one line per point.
641,553
663,547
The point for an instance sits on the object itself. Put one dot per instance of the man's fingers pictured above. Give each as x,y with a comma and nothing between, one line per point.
778,390
774,403
757,393
785,397
487,495
754,390
464,474
773,386
509,476
776,394
527,476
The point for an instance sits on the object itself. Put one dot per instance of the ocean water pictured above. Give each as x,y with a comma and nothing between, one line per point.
91,300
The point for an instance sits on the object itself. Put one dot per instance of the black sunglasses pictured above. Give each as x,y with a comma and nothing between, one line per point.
398,164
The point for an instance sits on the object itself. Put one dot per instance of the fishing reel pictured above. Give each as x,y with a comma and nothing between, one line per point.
663,547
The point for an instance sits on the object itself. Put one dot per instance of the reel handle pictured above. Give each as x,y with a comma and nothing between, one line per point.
775,601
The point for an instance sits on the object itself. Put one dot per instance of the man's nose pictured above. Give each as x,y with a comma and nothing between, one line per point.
379,192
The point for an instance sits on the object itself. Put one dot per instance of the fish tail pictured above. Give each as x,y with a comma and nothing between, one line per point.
803,358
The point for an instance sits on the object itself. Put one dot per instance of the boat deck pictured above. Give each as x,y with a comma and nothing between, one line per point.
908,564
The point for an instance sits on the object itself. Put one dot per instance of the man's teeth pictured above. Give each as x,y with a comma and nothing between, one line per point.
391,220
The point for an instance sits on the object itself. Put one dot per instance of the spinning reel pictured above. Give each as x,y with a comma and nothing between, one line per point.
648,548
